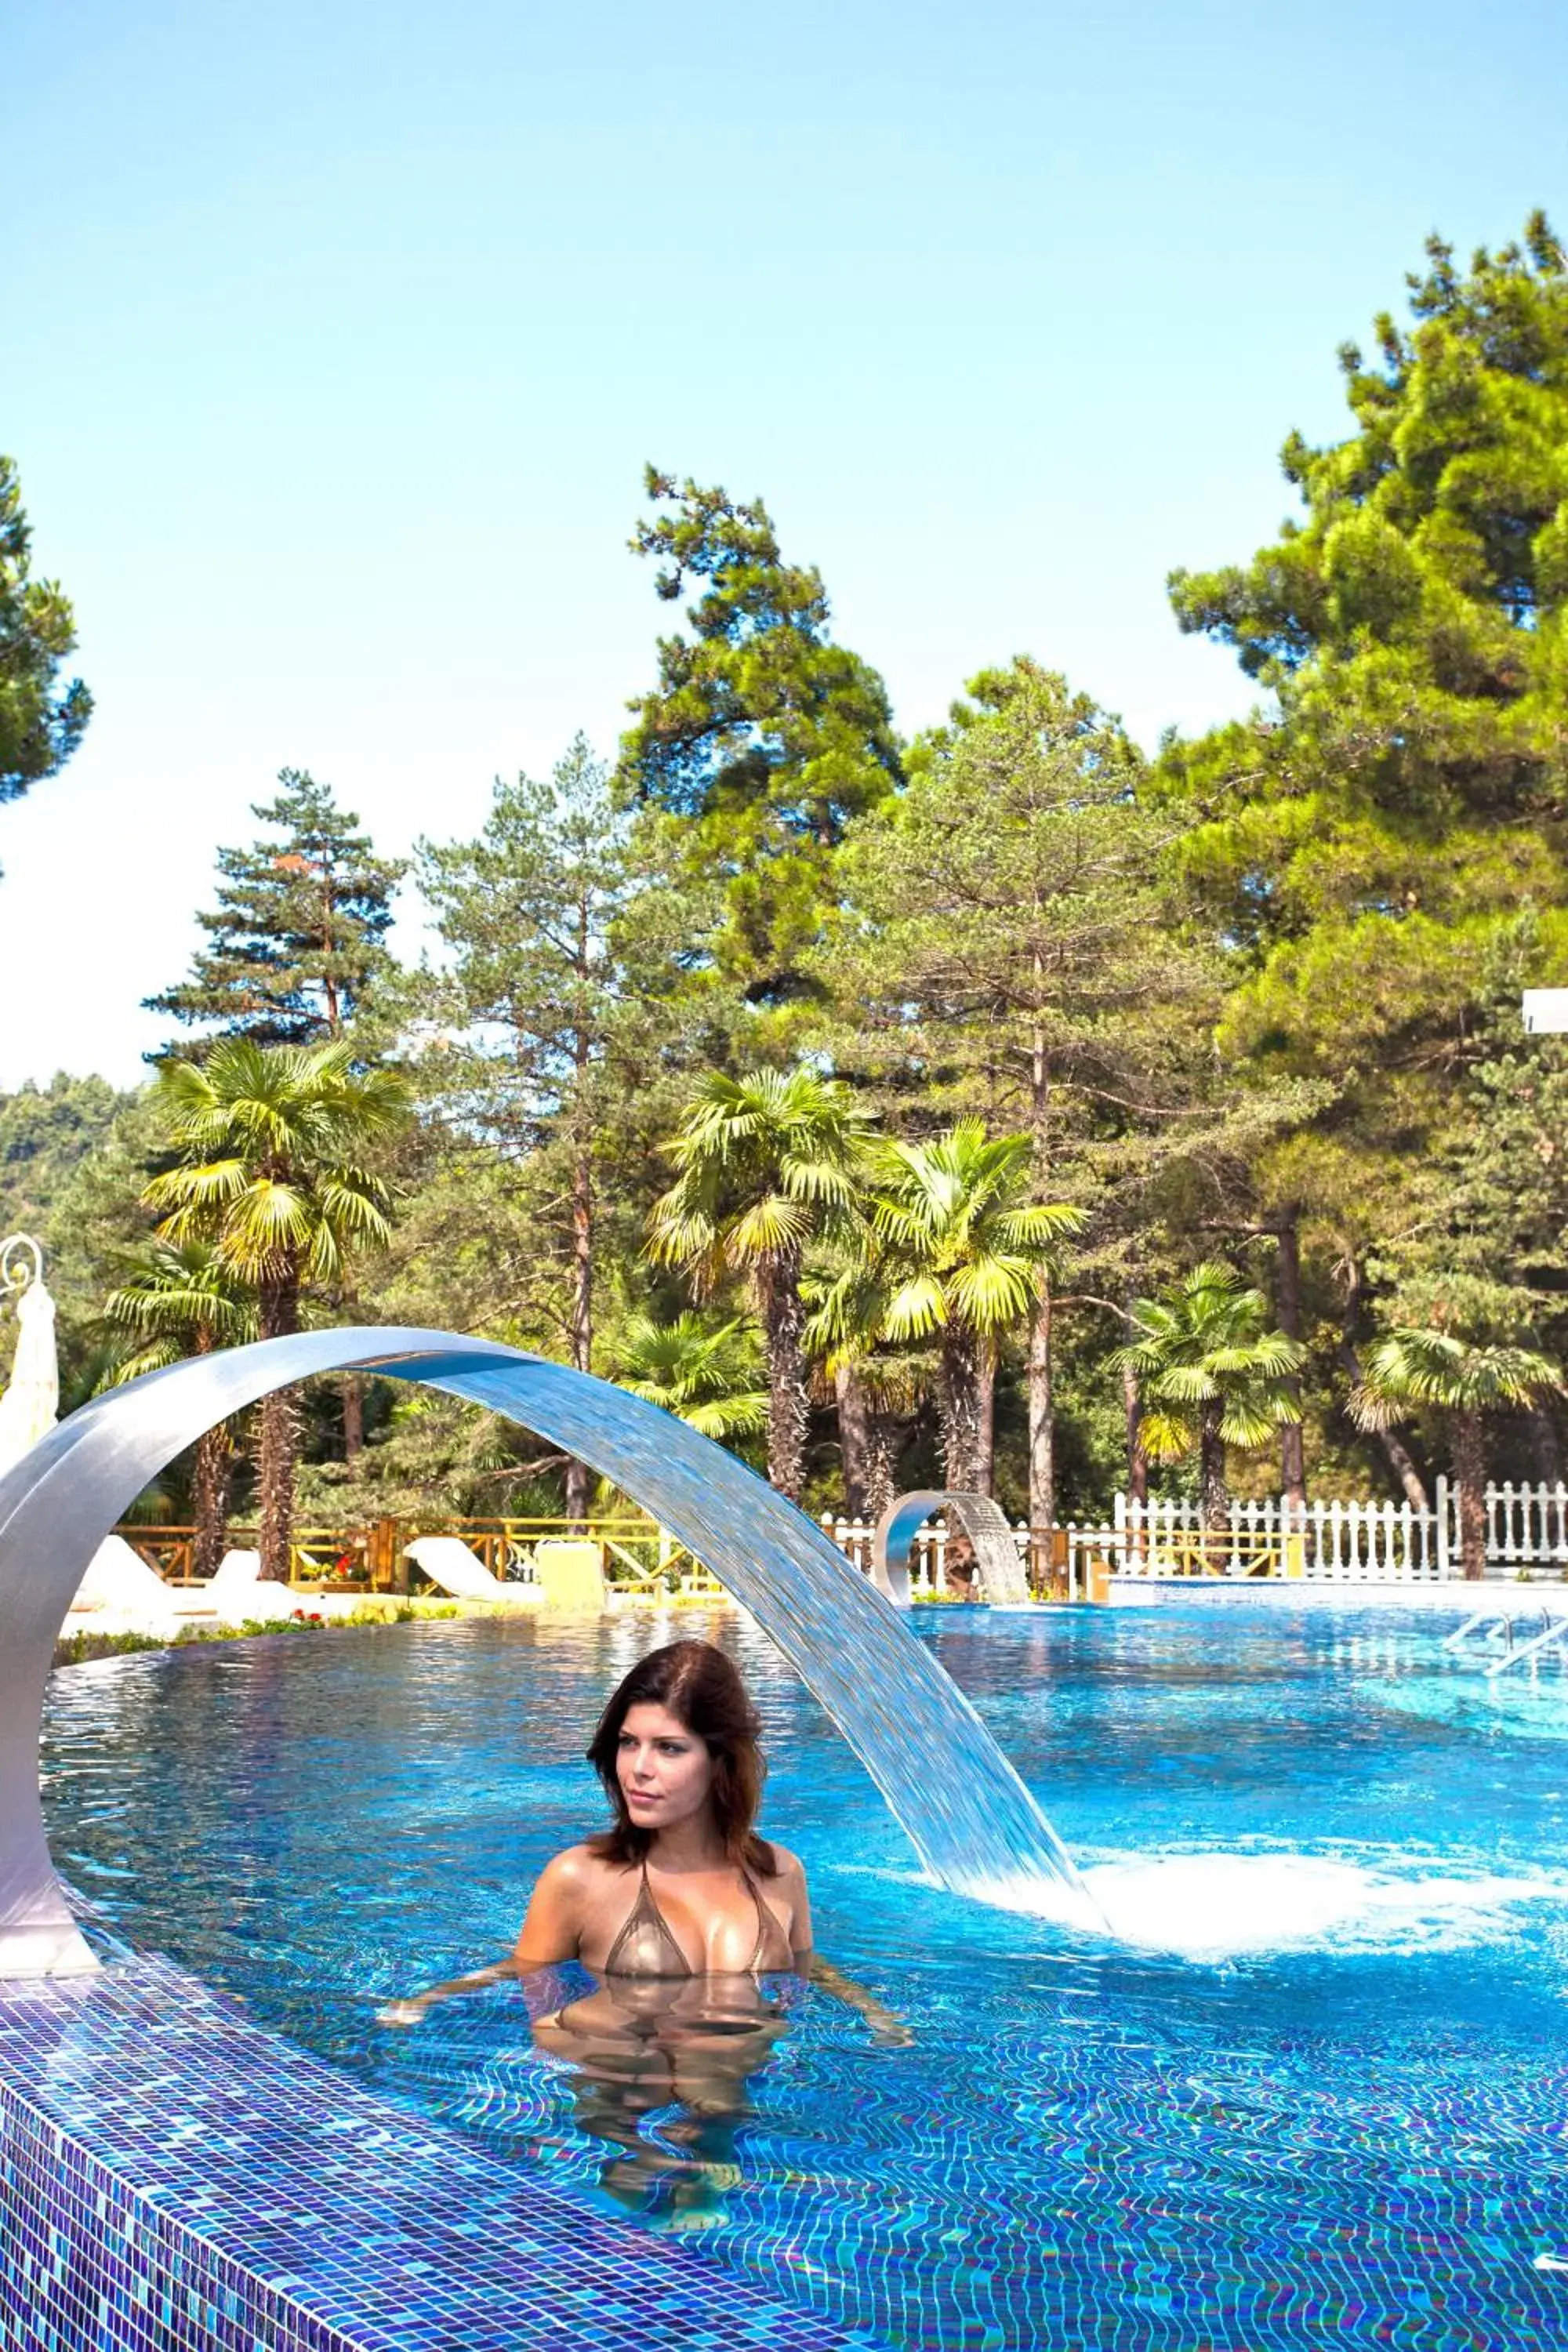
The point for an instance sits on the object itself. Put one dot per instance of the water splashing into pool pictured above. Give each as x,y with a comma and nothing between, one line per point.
969,1817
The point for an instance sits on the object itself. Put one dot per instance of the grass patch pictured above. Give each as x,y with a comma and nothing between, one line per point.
78,1649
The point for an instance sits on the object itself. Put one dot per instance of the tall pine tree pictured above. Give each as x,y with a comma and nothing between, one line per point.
40,722
296,941
1009,946
1371,839
762,735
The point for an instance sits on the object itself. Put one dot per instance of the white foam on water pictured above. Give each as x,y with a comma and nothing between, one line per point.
1220,1907
1211,1908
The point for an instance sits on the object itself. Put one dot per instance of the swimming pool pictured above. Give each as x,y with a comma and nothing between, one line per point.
1330,2115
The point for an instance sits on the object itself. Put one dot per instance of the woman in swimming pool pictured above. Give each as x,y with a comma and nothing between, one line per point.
681,1885
679,1910
679,1890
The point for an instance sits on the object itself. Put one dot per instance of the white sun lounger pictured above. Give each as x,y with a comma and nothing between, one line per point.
121,1595
239,1592
452,1567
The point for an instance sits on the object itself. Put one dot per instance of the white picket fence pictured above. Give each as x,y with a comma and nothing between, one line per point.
1527,1535
1526,1526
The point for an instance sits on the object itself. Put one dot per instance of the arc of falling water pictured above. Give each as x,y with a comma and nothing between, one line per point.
968,1815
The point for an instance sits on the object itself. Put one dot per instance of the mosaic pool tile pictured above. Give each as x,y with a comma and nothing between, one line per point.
173,2180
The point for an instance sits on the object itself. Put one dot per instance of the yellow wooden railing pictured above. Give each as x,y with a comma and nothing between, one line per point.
641,1558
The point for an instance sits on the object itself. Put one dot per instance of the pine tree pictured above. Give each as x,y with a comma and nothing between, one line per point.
764,735
1009,946
298,938
541,1043
1371,837
40,726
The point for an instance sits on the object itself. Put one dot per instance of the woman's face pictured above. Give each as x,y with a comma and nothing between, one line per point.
665,1771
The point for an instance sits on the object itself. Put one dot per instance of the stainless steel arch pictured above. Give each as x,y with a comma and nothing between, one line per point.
983,1520
972,1822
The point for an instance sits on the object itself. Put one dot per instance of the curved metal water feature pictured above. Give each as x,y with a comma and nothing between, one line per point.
968,1815
976,1515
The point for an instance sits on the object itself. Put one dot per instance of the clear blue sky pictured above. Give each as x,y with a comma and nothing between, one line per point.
339,333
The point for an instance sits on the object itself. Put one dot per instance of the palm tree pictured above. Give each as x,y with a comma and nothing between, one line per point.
1211,1374
961,1246
766,1161
1466,1381
709,1374
874,1388
274,1143
180,1299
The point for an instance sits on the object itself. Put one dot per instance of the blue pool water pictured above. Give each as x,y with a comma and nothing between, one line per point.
1315,2100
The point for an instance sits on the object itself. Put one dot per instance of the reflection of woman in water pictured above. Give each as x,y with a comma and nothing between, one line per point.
679,1909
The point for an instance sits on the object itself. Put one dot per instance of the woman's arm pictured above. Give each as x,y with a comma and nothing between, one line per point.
412,2007
550,1933
885,2025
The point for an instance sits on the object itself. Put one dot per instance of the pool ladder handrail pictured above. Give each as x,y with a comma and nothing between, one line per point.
1553,1627
1554,1630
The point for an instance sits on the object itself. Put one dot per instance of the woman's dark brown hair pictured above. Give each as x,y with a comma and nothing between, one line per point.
703,1691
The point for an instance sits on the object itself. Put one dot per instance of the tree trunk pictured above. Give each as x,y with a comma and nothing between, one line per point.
276,1450
279,1434
212,1474
1042,1369
1213,1495
1292,1447
882,1460
354,1417
1394,1450
959,1410
854,1438
783,1322
581,1328
1544,1444
1137,1460
985,1420
1470,1477
212,1477
1042,1411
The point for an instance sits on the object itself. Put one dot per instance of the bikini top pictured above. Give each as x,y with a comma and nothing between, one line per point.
647,1946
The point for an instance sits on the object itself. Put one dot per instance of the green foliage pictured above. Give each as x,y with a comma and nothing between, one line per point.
762,735
1413,1366
1379,845
45,1133
71,1166
543,1045
953,1217
298,938
1367,838
960,1053
1440,1367
704,1373
81,1649
275,1145
40,724
767,1162
1213,1373
958,1247
176,1300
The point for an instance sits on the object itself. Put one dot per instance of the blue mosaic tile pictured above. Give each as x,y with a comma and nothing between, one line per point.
172,2179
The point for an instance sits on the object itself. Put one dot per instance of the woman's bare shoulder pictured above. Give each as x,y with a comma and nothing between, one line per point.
575,1870
788,1865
